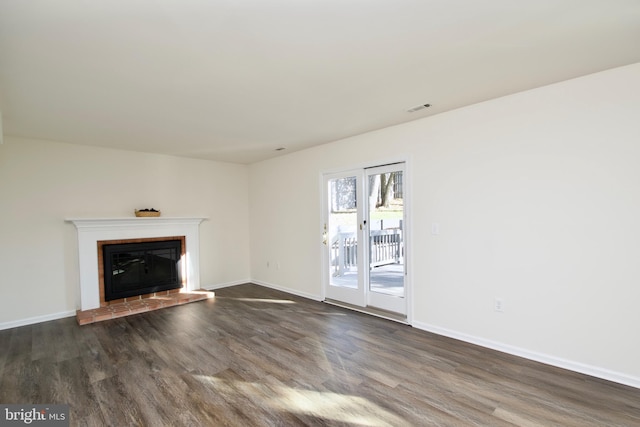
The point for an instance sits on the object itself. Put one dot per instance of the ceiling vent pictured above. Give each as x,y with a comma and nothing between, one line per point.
418,108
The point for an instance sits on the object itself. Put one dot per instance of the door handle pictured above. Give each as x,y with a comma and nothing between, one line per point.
324,235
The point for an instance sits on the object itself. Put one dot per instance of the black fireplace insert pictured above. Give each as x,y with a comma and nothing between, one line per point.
132,269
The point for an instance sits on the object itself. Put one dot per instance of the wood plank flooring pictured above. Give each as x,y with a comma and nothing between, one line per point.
258,357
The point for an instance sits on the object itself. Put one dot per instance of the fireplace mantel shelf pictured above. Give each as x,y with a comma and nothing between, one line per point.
137,221
92,230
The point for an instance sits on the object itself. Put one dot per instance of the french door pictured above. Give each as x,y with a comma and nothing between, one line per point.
364,238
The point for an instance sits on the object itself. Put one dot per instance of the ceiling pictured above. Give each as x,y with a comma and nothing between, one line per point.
234,80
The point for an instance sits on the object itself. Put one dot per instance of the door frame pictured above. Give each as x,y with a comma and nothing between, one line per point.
408,232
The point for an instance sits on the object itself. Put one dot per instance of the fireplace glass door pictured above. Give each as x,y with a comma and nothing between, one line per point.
132,269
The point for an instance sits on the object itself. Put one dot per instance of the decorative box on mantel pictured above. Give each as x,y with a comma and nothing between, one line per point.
93,230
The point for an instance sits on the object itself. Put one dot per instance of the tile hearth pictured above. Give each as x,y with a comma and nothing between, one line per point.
140,305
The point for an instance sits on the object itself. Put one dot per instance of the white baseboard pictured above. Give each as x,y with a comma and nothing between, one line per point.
288,290
225,285
37,319
266,285
582,368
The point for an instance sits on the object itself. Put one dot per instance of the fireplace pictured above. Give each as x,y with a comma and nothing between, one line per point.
118,230
140,268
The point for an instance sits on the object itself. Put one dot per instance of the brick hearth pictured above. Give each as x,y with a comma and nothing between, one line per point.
140,304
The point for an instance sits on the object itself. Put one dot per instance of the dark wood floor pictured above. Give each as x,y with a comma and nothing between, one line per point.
254,356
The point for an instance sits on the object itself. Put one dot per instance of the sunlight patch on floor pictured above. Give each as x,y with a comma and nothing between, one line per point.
327,405
333,406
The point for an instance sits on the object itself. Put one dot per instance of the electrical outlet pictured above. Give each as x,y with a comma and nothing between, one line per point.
498,305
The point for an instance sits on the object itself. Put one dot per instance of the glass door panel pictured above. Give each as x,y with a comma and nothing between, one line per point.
342,232
386,248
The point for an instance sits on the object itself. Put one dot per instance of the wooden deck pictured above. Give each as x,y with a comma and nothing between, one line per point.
258,357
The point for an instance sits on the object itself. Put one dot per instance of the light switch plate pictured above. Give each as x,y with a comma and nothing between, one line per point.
435,228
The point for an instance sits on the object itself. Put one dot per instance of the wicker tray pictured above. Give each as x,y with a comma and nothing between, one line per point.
146,213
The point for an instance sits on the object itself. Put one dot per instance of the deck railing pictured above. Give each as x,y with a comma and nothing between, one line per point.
385,247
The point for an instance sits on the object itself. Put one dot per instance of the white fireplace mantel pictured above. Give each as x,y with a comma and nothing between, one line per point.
92,230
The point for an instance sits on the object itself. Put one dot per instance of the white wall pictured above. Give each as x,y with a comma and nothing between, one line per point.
44,182
538,199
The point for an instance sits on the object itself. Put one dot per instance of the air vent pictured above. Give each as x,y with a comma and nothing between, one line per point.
418,108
